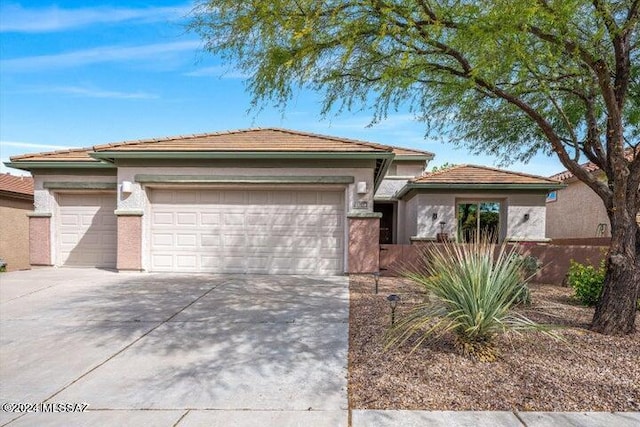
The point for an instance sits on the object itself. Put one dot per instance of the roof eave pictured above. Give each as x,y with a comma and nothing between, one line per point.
471,186
57,164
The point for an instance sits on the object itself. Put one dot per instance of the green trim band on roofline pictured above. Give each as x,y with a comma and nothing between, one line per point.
472,186
27,165
106,155
235,179
80,185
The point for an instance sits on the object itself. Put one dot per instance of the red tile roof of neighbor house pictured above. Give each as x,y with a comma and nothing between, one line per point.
20,185
590,166
249,140
473,174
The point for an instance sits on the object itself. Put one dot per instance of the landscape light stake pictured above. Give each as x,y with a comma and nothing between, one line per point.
393,303
376,278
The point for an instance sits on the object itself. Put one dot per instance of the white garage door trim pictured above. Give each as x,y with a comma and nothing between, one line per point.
257,231
86,229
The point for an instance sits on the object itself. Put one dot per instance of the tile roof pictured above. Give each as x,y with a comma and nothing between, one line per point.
591,167
473,174
564,175
70,155
254,140
400,151
20,185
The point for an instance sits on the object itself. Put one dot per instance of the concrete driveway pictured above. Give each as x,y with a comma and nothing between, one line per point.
167,349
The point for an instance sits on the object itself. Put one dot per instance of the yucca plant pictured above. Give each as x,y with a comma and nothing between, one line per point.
471,288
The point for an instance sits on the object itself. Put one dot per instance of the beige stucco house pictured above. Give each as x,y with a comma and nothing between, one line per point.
254,201
16,201
575,213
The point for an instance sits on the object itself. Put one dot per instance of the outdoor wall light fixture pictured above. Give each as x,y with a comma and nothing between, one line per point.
393,303
361,187
376,279
434,216
526,217
127,187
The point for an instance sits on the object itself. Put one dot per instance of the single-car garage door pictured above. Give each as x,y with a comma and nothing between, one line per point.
240,231
87,230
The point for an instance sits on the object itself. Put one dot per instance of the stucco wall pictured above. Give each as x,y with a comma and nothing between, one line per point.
576,213
409,168
514,206
441,204
14,233
410,220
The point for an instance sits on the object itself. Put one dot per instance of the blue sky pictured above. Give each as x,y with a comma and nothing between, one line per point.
73,75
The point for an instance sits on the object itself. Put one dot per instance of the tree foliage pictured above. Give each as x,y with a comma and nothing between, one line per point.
506,77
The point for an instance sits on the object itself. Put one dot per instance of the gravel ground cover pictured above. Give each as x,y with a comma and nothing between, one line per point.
585,372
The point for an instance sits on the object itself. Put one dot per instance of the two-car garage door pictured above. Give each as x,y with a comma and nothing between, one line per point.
246,231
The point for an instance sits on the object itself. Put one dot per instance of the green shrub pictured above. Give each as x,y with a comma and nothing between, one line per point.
586,281
472,291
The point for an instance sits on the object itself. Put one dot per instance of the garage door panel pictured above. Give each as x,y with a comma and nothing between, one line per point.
162,218
211,218
158,239
210,241
87,230
287,232
187,218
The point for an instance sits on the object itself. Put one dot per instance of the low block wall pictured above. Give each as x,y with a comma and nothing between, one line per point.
555,259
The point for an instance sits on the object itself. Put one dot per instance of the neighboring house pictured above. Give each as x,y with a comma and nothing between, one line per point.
16,201
576,213
252,201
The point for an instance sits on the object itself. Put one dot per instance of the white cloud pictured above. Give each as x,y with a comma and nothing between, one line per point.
97,55
18,144
18,19
218,71
90,92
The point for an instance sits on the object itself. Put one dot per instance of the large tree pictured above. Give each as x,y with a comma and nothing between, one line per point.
508,77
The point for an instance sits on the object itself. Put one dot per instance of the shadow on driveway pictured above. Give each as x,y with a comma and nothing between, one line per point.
188,342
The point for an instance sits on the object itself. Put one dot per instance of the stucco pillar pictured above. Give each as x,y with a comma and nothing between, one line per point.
364,242
40,238
129,241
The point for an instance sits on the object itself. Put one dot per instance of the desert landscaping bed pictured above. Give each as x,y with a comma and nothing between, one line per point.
585,372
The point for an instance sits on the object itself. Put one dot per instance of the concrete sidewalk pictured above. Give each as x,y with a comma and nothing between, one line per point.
371,418
340,418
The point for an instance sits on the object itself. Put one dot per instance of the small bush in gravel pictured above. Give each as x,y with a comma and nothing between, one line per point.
586,281
473,289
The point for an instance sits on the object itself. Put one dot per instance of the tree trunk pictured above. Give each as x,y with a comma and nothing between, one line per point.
616,311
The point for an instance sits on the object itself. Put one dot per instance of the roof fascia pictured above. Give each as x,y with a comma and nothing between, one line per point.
471,186
54,164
